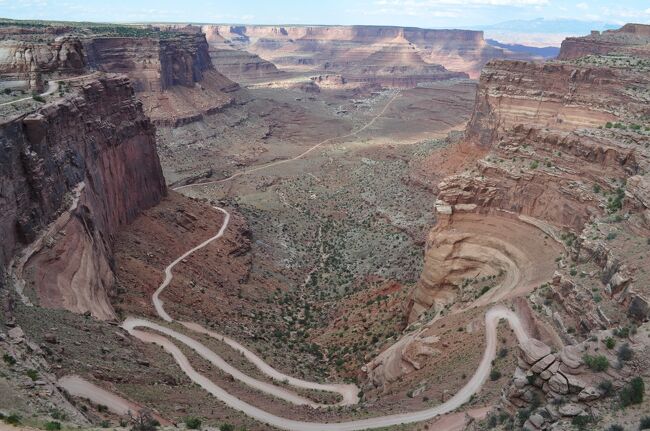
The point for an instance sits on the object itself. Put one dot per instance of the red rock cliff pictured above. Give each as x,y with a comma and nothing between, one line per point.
71,174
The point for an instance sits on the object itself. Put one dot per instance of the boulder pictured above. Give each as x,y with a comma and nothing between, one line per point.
519,379
552,369
537,420
543,364
558,383
571,409
570,356
589,394
533,350
16,333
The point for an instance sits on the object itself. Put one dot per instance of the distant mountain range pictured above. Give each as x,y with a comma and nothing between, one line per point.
557,26
543,52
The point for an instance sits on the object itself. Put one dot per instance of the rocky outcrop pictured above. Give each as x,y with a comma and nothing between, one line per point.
361,51
26,61
84,165
630,37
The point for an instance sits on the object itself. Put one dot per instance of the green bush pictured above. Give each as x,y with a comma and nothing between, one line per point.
53,426
32,374
632,393
227,427
609,125
534,164
644,424
9,360
13,419
610,342
615,427
596,363
581,422
38,98
606,387
105,424
495,375
193,423
625,353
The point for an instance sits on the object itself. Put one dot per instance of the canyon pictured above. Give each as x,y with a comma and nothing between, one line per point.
322,227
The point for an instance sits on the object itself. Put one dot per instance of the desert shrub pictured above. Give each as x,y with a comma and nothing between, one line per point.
616,203
7,91
582,422
644,423
534,164
596,363
38,98
495,375
606,387
13,419
193,423
32,374
609,125
610,342
503,352
615,427
226,427
632,393
9,360
105,424
624,332
625,353
53,426
143,421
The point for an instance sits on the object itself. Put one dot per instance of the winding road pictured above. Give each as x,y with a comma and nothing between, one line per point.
52,86
162,336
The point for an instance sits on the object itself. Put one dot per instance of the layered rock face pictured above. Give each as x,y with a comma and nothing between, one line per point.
630,37
84,165
244,67
24,61
560,140
174,77
362,52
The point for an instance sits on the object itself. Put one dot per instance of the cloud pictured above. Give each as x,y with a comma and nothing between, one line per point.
583,6
433,3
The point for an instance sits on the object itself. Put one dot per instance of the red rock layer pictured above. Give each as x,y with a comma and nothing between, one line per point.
100,137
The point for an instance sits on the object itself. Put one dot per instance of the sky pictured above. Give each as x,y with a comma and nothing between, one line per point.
417,13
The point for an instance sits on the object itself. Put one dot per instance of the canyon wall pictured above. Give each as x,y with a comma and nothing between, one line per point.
71,174
174,76
24,61
359,50
558,140
627,38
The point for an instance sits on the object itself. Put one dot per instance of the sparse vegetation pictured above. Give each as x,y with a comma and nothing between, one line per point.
495,375
597,363
53,426
9,360
632,393
625,353
644,423
193,423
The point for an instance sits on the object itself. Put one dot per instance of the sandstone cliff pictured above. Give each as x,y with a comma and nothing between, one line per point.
174,77
360,51
24,61
628,38
71,174
244,67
